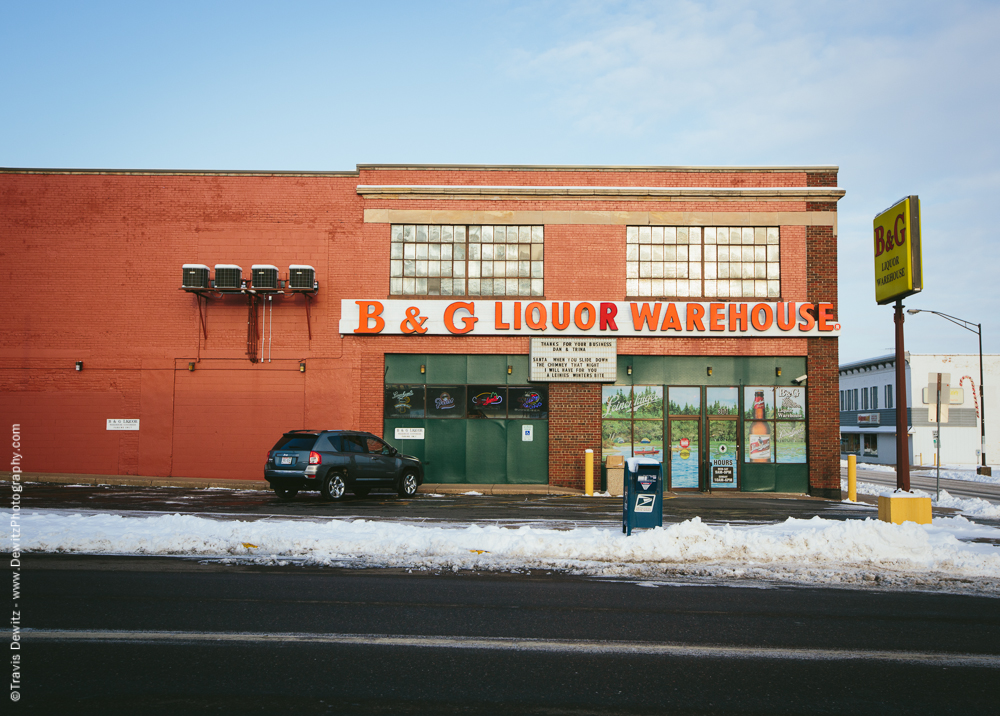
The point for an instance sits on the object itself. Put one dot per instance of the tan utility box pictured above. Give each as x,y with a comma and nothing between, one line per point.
616,474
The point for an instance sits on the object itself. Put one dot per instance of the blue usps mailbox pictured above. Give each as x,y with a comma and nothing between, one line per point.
642,504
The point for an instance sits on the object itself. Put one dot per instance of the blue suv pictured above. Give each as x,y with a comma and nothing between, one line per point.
339,461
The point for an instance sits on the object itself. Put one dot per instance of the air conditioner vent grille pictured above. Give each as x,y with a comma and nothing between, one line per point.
228,276
195,276
301,277
264,277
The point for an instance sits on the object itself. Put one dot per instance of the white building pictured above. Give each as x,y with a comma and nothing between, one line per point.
868,400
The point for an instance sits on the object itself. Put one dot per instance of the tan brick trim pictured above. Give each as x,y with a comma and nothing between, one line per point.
615,218
598,193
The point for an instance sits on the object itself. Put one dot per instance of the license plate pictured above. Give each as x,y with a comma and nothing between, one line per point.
286,461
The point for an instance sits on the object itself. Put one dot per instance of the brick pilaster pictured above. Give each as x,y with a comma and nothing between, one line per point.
574,426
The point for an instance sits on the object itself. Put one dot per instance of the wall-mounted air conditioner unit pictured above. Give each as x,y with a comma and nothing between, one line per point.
264,276
195,276
301,276
228,276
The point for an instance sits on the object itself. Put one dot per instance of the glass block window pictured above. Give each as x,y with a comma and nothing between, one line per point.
702,262
427,260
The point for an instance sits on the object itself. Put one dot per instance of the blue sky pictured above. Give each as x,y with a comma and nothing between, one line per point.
903,96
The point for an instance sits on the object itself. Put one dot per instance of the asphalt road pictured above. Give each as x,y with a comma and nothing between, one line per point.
130,635
925,480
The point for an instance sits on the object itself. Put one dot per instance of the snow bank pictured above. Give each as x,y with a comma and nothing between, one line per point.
971,506
855,552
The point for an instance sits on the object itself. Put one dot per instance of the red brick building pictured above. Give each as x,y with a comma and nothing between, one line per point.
696,307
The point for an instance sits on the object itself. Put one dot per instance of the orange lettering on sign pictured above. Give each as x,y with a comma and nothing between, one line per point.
517,315
468,322
695,312
645,316
786,310
369,310
560,324
756,321
825,317
716,317
738,315
805,311
608,313
529,316
498,321
578,316
671,321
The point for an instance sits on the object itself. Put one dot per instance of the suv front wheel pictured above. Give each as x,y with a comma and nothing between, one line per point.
333,486
407,485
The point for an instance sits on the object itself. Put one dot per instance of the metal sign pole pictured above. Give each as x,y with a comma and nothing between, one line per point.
938,441
902,439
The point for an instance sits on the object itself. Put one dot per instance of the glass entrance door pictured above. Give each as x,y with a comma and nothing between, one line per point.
685,454
722,452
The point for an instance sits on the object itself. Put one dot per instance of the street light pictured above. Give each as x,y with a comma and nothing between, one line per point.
978,330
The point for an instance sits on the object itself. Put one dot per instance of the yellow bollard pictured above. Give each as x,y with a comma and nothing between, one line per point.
588,466
852,478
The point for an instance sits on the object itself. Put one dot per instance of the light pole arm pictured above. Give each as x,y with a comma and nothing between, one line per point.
976,328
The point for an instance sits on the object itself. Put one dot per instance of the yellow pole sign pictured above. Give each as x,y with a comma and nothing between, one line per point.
898,267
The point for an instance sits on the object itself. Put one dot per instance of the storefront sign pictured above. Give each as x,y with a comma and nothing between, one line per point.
409,434
123,423
585,318
898,266
722,474
869,418
574,359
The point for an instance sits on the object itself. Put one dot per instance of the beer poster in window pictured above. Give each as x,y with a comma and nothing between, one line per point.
616,401
404,401
685,401
647,402
758,406
722,401
616,437
791,441
790,403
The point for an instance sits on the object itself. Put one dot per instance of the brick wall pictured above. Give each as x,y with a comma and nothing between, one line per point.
108,248
822,403
574,426
822,362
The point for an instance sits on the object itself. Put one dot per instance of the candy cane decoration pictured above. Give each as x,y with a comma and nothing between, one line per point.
975,395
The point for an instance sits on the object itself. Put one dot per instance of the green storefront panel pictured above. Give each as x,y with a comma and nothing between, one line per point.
445,445
520,368
528,461
446,370
405,369
407,447
758,477
486,369
792,478
486,451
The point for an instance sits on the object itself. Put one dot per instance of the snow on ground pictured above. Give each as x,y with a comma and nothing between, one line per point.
948,472
961,472
971,506
853,553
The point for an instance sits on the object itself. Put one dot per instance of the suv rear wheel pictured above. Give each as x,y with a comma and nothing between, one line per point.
333,486
407,485
285,493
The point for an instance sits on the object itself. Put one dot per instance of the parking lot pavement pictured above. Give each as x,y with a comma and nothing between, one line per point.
509,510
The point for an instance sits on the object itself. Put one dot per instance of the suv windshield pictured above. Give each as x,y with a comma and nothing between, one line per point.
295,442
